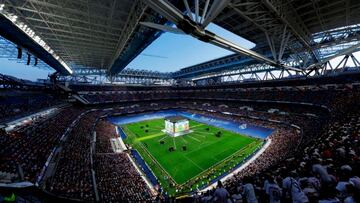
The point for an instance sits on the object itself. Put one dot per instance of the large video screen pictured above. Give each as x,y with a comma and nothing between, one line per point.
181,126
169,126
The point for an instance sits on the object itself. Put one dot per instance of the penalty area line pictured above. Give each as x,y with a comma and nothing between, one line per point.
184,140
174,143
163,138
194,163
194,138
203,136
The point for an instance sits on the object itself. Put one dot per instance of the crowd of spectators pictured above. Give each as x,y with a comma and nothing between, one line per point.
104,132
17,103
109,87
73,176
314,94
27,147
116,177
118,180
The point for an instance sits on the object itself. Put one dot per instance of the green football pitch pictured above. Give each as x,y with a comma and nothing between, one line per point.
206,155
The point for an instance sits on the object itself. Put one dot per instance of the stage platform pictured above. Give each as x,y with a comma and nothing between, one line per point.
178,133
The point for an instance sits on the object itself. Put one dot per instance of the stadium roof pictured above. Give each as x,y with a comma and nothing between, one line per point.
106,35
101,34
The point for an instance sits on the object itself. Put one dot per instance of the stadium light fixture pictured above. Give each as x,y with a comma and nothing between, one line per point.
13,18
30,33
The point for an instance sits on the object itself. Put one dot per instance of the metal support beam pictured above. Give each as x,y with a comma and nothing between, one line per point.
13,33
347,51
137,12
291,26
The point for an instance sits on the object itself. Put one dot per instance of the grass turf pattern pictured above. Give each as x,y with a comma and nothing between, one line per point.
206,155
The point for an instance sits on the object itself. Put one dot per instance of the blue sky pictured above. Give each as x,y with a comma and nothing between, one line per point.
183,50
22,71
176,51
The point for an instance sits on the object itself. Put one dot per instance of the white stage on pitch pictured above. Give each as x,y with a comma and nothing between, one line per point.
176,126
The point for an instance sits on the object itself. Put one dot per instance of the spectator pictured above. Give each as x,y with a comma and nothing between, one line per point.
221,195
248,191
273,190
292,189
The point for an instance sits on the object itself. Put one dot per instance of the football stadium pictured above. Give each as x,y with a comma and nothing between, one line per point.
180,101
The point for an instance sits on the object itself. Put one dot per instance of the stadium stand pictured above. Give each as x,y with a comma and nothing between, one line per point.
118,179
28,147
72,178
59,141
73,174
16,104
104,132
